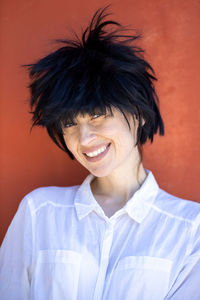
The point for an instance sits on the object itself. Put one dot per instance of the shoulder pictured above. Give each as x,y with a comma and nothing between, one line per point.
51,195
177,207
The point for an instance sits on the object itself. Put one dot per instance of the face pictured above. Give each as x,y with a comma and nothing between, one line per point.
103,143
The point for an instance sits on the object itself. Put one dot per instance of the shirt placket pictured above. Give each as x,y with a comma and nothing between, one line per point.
104,260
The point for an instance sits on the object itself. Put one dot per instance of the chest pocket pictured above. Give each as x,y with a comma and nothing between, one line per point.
139,277
56,275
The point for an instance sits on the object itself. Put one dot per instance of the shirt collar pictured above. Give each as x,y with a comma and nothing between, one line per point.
137,206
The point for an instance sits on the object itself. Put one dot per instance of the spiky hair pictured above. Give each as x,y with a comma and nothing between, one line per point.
103,69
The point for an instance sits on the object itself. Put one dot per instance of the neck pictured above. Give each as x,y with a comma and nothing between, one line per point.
119,187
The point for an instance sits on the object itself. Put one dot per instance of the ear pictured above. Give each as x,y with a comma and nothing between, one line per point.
143,122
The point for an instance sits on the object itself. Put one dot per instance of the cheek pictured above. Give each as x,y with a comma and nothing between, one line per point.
125,141
72,145
69,142
120,135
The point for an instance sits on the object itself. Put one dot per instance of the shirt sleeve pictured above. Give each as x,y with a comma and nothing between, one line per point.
15,256
187,283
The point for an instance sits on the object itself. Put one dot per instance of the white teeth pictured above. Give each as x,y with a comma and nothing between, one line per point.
95,153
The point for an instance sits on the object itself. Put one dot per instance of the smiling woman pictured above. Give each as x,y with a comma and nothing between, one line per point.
117,235
104,143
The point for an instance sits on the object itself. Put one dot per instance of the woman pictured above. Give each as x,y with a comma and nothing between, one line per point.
117,235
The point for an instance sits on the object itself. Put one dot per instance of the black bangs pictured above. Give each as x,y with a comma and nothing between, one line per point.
88,75
70,116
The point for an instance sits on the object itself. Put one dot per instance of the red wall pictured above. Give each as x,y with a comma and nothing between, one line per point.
171,37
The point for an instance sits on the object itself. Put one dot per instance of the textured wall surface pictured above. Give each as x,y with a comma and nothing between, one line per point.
171,37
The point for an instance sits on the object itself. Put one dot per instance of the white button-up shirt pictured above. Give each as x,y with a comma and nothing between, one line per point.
61,246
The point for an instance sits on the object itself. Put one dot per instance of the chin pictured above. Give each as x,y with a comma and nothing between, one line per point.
100,173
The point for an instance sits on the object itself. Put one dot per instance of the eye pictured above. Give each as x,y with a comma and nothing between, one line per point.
95,116
68,125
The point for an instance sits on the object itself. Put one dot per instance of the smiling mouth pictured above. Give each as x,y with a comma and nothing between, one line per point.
98,152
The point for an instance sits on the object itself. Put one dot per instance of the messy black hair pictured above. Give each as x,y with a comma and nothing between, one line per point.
100,71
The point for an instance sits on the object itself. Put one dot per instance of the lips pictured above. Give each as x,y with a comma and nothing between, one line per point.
98,156
95,148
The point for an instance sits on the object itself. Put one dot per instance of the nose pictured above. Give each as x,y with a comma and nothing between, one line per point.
87,135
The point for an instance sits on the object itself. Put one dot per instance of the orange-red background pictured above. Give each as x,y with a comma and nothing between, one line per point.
171,37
